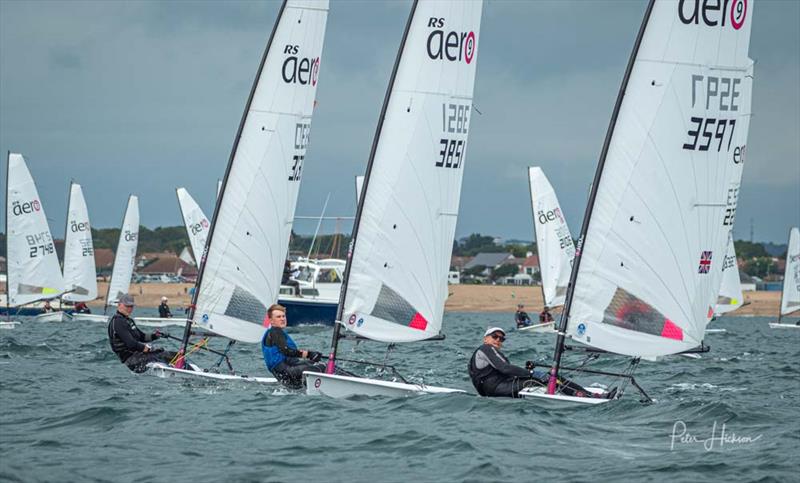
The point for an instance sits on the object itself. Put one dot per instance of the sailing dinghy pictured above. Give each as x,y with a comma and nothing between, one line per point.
32,272
648,262
553,243
790,295
245,251
730,293
395,282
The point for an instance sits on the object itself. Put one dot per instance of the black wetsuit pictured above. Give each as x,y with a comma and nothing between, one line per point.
286,279
127,341
493,376
284,360
163,311
522,318
545,317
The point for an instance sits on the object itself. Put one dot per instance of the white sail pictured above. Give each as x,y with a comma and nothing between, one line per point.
197,225
553,239
359,185
790,298
730,293
80,275
33,270
397,281
125,258
665,201
249,242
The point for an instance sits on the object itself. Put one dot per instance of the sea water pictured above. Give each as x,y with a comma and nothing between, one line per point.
69,411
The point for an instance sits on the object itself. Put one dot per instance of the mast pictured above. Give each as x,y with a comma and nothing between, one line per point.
8,261
562,325
221,194
343,293
66,231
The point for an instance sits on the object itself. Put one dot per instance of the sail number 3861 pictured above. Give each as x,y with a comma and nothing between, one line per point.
455,125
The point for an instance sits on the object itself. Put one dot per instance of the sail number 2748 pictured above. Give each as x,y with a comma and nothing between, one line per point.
455,125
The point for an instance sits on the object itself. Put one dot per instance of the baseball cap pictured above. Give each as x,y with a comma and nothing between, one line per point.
127,299
492,330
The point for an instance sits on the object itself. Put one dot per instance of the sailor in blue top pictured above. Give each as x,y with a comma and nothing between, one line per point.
281,355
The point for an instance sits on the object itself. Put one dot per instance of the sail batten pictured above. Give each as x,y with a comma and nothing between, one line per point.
32,264
248,240
396,281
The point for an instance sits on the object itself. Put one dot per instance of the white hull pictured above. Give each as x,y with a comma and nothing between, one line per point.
159,322
57,316
345,386
776,325
91,317
165,371
540,394
716,331
538,328
8,324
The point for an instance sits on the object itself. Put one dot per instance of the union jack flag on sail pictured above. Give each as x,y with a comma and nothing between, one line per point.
705,262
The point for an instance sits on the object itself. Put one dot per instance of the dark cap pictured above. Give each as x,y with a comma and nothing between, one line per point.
127,299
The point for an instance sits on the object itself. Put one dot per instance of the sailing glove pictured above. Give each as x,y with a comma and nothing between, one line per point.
314,356
155,335
529,365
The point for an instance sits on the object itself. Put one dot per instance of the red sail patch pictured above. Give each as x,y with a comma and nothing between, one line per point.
671,331
418,322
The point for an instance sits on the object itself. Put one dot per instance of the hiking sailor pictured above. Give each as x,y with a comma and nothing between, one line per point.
281,355
494,376
131,344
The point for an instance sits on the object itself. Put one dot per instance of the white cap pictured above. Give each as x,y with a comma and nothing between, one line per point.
163,299
492,330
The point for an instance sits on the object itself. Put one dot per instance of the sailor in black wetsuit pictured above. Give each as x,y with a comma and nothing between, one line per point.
521,317
130,343
494,376
281,355
163,309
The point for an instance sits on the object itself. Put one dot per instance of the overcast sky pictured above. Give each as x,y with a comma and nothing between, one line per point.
143,97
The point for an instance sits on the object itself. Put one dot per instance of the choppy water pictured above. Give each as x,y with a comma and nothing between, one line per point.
70,412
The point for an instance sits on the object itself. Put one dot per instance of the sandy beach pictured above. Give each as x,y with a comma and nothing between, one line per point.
463,298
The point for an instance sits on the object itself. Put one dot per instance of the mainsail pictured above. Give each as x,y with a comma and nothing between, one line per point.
648,265
396,281
33,270
730,292
80,276
553,239
197,225
125,258
790,297
247,245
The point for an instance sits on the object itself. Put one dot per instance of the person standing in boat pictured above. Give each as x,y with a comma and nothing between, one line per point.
286,279
47,308
521,317
545,316
163,309
131,344
494,376
281,355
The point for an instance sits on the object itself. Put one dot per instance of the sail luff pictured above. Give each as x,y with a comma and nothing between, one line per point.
562,325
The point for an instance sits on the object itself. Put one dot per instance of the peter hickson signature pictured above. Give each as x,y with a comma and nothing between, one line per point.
680,435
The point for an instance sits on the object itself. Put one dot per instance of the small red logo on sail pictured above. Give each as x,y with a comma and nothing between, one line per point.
705,262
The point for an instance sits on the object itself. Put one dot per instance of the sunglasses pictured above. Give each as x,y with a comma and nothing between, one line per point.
498,337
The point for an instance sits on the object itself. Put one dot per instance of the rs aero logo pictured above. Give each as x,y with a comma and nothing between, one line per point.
299,70
76,227
452,46
199,227
713,12
18,208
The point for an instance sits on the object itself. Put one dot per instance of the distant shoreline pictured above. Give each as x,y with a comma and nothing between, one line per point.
463,298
